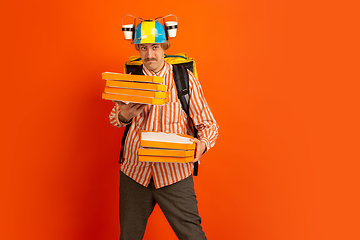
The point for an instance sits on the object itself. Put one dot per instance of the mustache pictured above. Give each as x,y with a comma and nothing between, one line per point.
150,59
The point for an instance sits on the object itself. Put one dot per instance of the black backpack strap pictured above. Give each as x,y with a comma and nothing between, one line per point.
136,71
121,157
181,79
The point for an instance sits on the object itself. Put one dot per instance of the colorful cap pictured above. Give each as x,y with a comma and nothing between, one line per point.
149,31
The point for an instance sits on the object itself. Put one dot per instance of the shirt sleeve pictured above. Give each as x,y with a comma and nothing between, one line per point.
114,119
201,115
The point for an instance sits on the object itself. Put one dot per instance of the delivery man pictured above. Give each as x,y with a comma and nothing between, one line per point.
170,185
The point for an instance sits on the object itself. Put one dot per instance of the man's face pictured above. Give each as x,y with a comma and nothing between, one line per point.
152,56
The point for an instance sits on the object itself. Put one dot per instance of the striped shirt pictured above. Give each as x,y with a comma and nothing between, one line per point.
169,118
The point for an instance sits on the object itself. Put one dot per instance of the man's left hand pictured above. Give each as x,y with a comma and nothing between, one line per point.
199,150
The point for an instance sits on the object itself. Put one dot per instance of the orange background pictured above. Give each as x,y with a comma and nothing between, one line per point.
281,78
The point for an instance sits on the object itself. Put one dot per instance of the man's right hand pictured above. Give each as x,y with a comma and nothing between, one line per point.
129,111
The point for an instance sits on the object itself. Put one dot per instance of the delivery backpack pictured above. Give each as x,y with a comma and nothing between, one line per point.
181,62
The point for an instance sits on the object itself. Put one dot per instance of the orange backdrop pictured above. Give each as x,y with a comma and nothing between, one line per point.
280,77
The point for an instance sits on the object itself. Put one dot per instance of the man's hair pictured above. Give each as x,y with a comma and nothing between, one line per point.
165,45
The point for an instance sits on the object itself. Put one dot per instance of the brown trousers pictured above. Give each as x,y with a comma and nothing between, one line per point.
177,202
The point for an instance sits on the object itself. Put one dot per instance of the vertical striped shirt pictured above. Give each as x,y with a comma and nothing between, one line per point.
169,118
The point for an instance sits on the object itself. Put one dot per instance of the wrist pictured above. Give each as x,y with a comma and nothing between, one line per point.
122,119
205,146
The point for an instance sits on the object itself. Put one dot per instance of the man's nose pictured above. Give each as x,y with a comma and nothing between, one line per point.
150,53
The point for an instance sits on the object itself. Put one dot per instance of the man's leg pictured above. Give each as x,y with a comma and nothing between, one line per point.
136,205
179,205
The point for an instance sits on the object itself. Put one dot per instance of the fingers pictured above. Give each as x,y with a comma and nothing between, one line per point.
133,105
139,107
136,108
195,140
197,155
200,147
124,106
119,103
129,105
129,110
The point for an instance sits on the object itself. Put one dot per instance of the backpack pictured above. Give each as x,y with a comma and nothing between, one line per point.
181,62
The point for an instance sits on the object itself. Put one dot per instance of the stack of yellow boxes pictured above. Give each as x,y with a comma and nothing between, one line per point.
135,88
166,147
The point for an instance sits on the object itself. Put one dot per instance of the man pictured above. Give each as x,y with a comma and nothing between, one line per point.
144,184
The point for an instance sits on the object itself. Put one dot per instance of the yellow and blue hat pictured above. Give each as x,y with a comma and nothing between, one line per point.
149,31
